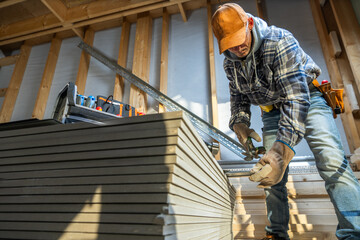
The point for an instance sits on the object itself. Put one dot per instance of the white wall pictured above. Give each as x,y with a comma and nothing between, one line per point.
188,71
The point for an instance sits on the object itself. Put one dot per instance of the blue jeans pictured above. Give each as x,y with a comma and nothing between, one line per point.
343,188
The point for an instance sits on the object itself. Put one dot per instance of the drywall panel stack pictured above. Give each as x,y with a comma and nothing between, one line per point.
148,177
312,215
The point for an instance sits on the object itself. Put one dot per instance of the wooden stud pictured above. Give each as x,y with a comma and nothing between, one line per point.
12,91
214,101
141,61
335,43
5,61
261,9
164,55
84,63
46,81
182,11
122,57
349,29
351,126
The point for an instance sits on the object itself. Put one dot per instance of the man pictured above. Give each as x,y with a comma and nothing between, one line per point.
266,66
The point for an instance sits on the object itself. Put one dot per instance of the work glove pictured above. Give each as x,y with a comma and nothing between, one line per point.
243,132
271,167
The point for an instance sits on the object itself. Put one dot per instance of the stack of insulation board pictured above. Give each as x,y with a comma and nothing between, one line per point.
312,215
148,177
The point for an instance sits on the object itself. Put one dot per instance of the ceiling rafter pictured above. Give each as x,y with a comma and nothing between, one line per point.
182,11
27,31
58,8
65,19
70,21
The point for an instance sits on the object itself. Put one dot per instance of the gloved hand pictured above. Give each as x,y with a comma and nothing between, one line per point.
278,157
243,132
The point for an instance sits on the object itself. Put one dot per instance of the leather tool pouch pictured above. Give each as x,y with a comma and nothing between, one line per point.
333,97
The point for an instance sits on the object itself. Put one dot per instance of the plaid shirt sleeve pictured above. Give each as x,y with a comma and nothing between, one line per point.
239,103
289,73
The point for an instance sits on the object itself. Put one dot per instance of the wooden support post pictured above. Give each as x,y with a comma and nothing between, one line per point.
46,81
349,29
182,11
164,55
5,61
12,91
261,9
351,125
122,57
84,63
214,102
141,61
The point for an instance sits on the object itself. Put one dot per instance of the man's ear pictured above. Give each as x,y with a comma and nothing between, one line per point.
251,22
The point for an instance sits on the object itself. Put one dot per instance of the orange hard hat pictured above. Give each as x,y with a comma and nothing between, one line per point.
229,25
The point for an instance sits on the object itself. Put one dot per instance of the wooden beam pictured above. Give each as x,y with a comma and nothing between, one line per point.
141,61
182,11
96,9
164,55
122,57
214,101
261,9
10,2
28,27
49,24
5,61
2,92
46,81
84,63
12,91
351,125
349,29
58,8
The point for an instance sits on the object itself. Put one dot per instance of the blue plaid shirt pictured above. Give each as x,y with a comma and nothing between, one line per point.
278,74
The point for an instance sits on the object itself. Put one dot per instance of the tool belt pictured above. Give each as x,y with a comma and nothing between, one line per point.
333,97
